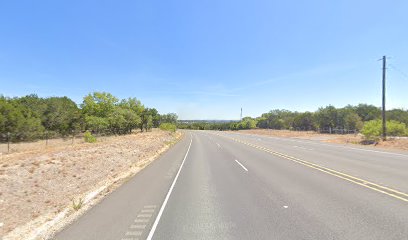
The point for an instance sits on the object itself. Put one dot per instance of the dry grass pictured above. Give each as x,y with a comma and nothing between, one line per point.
34,146
37,181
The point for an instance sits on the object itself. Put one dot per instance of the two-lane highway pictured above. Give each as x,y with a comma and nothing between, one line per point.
215,185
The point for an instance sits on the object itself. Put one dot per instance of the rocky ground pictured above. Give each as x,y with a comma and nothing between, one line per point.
38,183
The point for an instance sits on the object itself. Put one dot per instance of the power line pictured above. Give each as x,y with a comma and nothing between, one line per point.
398,70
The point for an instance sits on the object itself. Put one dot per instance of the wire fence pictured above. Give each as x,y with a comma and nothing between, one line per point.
337,131
327,130
28,141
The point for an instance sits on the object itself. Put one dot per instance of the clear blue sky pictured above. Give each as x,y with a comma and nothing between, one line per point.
207,59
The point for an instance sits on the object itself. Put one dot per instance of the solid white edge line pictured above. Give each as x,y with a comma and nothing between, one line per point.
156,222
241,165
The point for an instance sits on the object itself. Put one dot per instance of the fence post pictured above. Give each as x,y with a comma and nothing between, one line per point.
8,142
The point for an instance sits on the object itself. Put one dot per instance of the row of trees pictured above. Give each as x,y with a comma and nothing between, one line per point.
325,119
328,118
30,117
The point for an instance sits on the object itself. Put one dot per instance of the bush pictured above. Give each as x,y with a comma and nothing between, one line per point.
89,138
372,130
395,128
168,127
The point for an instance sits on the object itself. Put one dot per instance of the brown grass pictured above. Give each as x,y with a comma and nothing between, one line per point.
37,180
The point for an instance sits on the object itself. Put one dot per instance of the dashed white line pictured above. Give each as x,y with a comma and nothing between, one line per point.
134,233
303,148
135,226
241,165
147,210
156,222
143,220
150,206
144,215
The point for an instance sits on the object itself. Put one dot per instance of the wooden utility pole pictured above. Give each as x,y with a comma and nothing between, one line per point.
384,126
8,142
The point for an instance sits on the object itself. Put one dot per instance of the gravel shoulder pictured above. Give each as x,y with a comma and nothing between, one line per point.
39,188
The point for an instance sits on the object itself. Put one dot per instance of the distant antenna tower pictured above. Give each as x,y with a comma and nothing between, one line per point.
241,115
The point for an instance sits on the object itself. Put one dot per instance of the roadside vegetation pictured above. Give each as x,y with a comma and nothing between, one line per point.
168,127
31,117
362,118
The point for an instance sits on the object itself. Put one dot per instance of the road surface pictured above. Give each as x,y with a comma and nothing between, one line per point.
217,185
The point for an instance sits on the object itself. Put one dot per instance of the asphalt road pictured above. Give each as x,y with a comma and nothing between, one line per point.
216,185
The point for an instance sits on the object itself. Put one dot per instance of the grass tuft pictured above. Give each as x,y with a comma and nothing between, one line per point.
77,205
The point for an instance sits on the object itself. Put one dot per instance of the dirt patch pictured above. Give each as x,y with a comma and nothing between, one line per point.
37,185
356,139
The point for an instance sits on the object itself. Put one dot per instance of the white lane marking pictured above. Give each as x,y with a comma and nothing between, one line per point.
368,150
156,222
303,148
150,206
241,165
135,226
219,146
137,220
134,233
144,215
285,206
148,211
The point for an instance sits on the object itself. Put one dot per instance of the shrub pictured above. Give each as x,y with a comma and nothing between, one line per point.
168,127
89,138
395,128
372,130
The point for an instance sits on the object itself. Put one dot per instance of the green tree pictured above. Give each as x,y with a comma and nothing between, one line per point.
116,120
99,104
398,115
19,120
36,105
247,123
169,118
368,112
352,121
155,117
61,115
304,121
326,117
96,124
